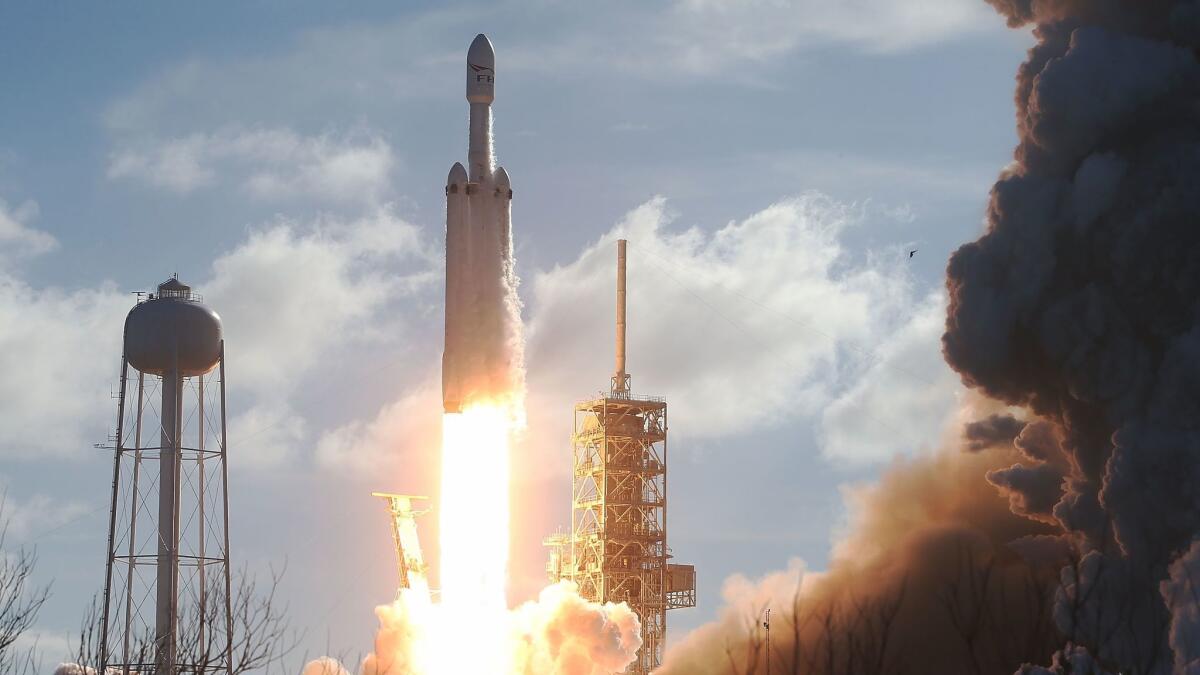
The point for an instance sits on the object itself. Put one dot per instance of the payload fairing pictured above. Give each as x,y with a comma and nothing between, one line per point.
481,345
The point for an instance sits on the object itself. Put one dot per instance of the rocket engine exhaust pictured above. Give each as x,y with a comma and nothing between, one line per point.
482,342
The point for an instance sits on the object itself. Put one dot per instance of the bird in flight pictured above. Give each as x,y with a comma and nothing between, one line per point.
912,253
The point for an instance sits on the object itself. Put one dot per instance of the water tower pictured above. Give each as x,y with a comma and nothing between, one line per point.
167,587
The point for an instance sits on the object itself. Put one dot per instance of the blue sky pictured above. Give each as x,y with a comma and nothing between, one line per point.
771,162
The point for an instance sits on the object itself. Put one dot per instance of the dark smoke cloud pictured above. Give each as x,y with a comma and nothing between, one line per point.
1080,304
1033,491
1039,442
994,430
1035,485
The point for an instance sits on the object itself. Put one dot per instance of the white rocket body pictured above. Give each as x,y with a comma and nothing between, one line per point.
477,361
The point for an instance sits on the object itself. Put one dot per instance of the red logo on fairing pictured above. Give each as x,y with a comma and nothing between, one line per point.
482,73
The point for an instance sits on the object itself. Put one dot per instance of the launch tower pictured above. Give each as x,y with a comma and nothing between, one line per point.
166,591
617,548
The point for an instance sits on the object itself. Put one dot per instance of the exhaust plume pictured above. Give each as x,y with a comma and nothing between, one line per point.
560,633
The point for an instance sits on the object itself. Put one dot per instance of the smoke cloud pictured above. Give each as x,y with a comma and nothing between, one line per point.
936,575
563,634
76,669
1077,308
1078,303
559,633
324,666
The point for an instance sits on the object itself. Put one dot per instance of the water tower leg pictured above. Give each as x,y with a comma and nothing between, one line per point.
168,540
133,512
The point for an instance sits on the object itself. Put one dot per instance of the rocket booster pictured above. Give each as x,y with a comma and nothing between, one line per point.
477,360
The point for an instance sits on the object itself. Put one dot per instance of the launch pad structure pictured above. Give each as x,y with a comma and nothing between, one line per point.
410,565
617,547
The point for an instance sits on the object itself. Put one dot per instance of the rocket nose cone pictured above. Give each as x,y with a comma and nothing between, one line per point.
501,178
458,175
481,52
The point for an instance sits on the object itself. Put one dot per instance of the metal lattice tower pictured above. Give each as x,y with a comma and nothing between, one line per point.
617,548
411,570
167,579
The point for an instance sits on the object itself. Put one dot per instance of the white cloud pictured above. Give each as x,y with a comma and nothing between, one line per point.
17,238
60,352
902,398
290,292
371,66
37,515
403,433
712,34
745,327
761,323
291,296
268,433
692,39
269,164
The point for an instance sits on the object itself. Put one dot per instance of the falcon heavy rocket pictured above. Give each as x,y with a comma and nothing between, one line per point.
477,361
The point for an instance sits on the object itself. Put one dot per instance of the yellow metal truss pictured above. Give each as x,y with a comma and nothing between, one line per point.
617,549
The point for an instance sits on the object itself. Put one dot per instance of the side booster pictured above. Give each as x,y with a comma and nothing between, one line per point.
479,267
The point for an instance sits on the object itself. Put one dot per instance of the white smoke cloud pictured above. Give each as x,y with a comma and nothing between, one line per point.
270,164
559,633
74,669
324,666
563,634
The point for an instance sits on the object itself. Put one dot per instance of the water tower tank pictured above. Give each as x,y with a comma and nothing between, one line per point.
172,324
